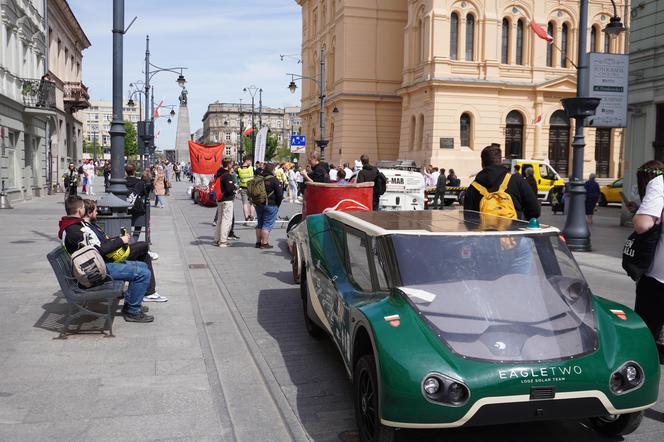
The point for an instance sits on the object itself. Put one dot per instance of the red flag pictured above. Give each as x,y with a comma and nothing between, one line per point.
248,131
541,33
156,111
205,159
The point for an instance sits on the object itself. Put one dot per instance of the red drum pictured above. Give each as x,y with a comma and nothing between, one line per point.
319,197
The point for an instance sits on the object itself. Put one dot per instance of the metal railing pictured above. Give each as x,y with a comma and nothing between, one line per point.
38,93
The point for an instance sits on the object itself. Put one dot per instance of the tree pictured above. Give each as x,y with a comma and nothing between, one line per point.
89,147
131,140
271,146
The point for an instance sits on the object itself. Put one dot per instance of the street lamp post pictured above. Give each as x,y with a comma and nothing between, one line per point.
118,182
252,91
321,141
240,140
576,231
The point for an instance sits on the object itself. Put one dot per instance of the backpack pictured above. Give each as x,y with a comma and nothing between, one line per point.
88,267
380,184
498,203
256,191
136,202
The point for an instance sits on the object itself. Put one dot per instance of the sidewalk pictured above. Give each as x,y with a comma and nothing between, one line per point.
151,382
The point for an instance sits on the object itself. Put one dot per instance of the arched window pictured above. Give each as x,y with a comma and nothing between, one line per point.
519,42
422,43
549,46
420,134
465,129
505,42
470,37
514,135
593,39
413,128
454,36
559,142
564,40
607,40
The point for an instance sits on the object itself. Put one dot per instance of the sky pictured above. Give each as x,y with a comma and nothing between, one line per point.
226,45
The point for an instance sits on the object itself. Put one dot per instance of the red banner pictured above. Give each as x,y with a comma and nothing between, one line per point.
205,159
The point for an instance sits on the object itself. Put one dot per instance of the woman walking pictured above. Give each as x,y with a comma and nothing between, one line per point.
592,197
159,186
267,213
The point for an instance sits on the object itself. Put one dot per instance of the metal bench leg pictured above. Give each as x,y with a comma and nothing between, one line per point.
65,328
112,306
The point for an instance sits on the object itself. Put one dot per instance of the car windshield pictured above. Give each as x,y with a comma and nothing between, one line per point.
498,297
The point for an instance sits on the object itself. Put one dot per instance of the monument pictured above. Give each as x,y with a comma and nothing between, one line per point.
182,134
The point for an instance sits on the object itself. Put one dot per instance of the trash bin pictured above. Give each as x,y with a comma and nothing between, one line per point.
112,215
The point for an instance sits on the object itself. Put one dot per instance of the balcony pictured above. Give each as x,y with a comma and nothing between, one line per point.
76,96
38,96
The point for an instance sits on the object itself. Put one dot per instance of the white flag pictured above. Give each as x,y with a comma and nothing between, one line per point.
261,143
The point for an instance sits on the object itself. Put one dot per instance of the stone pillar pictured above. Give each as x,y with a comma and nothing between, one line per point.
182,135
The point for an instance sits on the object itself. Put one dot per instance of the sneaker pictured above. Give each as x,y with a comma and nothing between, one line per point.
154,256
267,246
138,317
155,297
233,236
224,244
214,223
258,245
144,309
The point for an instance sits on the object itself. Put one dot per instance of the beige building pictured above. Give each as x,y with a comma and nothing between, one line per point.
222,122
436,81
97,121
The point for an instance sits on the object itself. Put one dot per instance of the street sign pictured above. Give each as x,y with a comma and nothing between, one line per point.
298,143
608,81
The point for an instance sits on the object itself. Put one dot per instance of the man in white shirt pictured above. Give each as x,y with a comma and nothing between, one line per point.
333,173
89,172
650,287
434,176
349,172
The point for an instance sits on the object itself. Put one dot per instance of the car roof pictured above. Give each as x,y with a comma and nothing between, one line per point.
435,222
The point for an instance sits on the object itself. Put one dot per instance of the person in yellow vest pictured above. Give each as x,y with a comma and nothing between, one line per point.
246,173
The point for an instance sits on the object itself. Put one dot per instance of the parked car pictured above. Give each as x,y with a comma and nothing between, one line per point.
545,176
451,319
611,193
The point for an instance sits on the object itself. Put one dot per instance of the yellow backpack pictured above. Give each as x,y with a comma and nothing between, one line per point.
498,203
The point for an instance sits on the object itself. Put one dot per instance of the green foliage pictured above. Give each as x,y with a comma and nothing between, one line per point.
271,146
131,140
91,146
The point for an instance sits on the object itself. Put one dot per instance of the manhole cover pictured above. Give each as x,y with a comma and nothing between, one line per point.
198,266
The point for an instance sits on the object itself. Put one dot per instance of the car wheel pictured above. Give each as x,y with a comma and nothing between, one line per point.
602,200
462,197
312,328
295,261
367,413
617,424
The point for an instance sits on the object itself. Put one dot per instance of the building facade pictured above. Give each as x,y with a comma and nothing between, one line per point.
97,122
436,81
224,123
66,43
27,101
645,133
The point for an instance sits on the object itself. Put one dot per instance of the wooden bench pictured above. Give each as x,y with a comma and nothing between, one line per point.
79,299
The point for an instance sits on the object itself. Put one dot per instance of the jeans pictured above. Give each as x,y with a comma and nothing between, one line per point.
138,251
138,276
159,200
292,188
267,215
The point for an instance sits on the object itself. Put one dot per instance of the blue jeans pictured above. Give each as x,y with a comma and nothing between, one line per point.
266,215
138,276
159,200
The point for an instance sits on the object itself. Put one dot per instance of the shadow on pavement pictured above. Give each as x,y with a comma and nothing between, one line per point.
284,276
313,376
53,317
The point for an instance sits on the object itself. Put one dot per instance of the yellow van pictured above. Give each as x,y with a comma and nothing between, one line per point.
545,176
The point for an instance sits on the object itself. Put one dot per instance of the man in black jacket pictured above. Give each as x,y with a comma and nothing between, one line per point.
370,174
492,175
225,204
75,232
138,194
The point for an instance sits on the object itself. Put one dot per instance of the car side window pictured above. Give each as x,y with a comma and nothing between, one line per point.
358,262
380,270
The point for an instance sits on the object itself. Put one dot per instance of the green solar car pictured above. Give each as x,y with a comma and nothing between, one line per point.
451,319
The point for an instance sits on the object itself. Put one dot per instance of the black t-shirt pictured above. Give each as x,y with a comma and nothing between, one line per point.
320,173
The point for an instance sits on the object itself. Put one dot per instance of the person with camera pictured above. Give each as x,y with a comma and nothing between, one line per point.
70,181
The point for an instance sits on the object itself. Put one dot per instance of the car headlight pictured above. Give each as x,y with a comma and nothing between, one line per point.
445,390
627,378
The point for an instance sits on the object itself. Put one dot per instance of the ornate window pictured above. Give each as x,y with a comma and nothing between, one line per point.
470,37
593,39
505,42
454,36
519,42
607,39
465,129
549,46
564,41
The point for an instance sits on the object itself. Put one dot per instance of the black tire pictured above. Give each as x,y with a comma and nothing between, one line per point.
462,197
312,328
602,200
617,425
365,399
